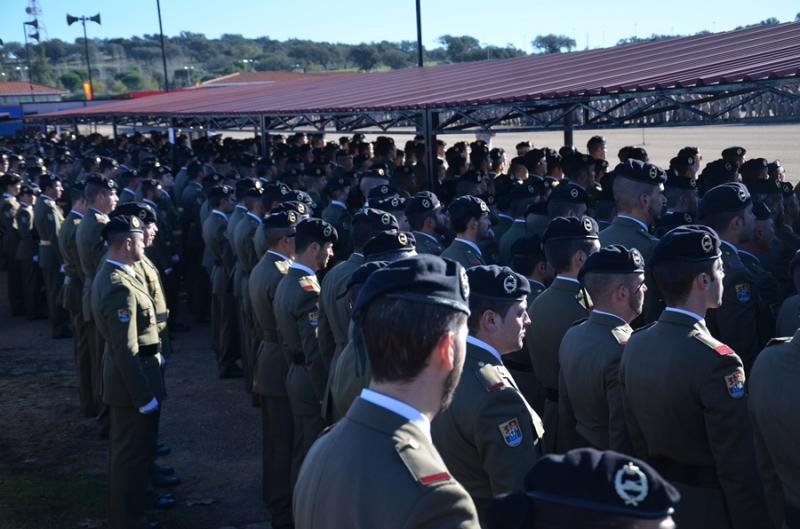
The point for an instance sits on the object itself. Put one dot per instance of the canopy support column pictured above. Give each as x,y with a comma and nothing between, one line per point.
114,131
262,125
430,120
568,137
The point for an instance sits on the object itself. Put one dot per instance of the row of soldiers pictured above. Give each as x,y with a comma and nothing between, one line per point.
260,249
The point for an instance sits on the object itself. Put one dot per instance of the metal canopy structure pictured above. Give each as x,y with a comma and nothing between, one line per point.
748,75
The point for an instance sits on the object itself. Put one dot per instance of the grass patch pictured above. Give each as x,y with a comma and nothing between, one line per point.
35,501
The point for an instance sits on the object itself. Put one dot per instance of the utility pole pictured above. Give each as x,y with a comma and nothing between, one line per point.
419,35
163,49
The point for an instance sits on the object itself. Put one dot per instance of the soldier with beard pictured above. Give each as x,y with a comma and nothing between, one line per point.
469,218
428,222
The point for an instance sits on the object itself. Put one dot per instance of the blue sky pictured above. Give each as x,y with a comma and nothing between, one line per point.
497,22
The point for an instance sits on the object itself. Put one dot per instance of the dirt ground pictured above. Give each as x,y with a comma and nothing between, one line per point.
53,464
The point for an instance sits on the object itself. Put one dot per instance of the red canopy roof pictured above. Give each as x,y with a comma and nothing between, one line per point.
751,54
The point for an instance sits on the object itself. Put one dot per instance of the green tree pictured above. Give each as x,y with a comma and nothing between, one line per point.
462,48
553,43
73,80
131,80
365,57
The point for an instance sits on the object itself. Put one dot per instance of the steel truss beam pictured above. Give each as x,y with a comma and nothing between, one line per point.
776,101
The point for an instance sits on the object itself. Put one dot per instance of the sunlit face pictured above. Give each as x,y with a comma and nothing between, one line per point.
137,246
715,290
58,190
150,231
748,224
484,225
512,327
636,294
324,255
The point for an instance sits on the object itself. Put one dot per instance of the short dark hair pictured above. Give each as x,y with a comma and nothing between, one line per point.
215,200
480,304
303,240
526,264
91,191
559,252
674,278
601,285
395,354
417,219
719,221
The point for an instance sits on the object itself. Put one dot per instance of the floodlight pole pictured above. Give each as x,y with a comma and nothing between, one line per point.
419,36
86,50
28,61
163,49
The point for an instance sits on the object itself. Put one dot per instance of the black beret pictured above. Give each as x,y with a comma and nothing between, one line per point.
724,198
692,242
603,481
362,273
11,179
763,186
381,191
293,205
318,230
687,156
676,181
220,192
377,219
48,180
137,209
389,245
295,195
639,171
574,162
149,184
732,153
254,192
716,173
467,207
527,246
775,169
392,203
30,188
316,171
673,219
563,228
76,191
123,224
243,184
374,173
613,259
282,220
496,154
422,202
787,189
424,278
211,180
498,282
753,168
130,174
102,182
531,188
337,183
533,157
569,192
274,191
761,211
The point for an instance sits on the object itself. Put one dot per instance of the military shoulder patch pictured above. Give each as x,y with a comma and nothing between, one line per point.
712,343
734,383
313,318
309,284
76,221
282,266
511,432
743,292
124,315
489,377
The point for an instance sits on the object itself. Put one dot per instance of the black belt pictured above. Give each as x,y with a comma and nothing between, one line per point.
694,475
791,517
149,350
551,394
298,359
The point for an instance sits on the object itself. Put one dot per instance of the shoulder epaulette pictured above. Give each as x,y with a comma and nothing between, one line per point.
779,340
621,334
489,377
425,470
282,266
309,284
708,340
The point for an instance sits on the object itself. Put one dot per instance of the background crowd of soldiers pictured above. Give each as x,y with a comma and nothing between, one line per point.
600,348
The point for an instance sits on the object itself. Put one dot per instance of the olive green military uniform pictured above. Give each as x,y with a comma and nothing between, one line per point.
223,311
552,313
489,437
48,218
504,222
269,383
770,293
349,375
375,468
8,225
297,315
736,321
126,318
590,405
171,235
517,229
73,304
630,234
91,248
26,255
788,320
337,215
427,243
200,293
236,216
519,362
780,254
686,411
774,394
247,259
463,253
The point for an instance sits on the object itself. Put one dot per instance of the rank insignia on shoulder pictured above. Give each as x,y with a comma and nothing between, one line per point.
309,284
735,383
282,266
511,432
434,478
723,350
743,292
124,315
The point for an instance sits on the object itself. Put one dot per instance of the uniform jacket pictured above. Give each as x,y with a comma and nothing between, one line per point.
28,245
48,217
589,394
427,243
214,229
334,306
489,437
126,318
91,248
376,469
8,225
774,394
463,254
788,317
686,407
73,277
269,378
517,229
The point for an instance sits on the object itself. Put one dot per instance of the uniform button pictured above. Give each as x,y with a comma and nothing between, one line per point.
481,364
